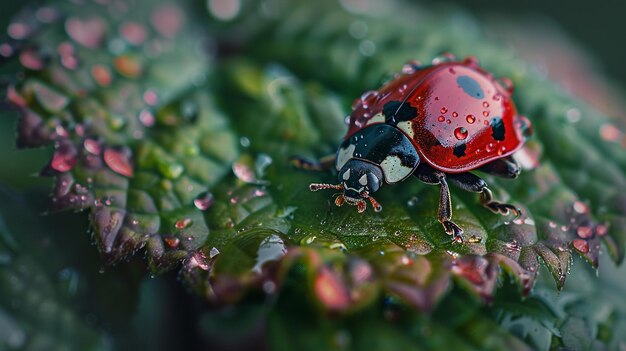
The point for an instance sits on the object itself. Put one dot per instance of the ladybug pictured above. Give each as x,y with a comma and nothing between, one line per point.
438,123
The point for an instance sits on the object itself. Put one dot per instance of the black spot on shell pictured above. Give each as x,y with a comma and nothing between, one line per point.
396,111
406,159
459,150
497,128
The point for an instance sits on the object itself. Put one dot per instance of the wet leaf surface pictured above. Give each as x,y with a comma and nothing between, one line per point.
186,156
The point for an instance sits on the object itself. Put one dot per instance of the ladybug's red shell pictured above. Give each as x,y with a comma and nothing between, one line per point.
456,115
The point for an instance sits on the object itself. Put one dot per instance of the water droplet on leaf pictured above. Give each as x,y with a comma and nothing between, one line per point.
118,160
134,33
64,158
88,32
581,245
203,201
102,75
183,223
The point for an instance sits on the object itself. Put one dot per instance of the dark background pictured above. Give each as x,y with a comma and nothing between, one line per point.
599,26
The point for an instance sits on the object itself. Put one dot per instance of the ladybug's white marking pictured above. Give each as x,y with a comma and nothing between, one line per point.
363,180
346,174
353,189
407,127
394,170
344,155
378,118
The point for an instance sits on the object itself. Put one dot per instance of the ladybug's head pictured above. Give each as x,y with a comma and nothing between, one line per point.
358,180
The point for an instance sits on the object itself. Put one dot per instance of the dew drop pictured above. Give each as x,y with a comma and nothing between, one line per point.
183,223
602,230
460,133
32,60
369,97
443,110
573,115
198,260
609,132
270,249
146,118
15,98
454,114
167,20
410,68
67,53
6,50
486,122
172,241
581,245
47,14
88,33
203,201
367,48
584,232
470,119
51,100
441,118
61,131
486,113
448,121
244,141
150,97
224,10
134,33
485,104
102,75
19,31
64,158
581,207
128,66
92,146
244,172
446,57
118,160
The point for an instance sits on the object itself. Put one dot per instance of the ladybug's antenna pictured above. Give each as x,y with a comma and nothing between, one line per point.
318,186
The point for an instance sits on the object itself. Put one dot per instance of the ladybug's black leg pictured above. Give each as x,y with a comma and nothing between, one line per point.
505,167
429,175
473,183
323,164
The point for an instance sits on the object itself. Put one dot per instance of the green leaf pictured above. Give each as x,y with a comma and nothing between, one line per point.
132,143
186,156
